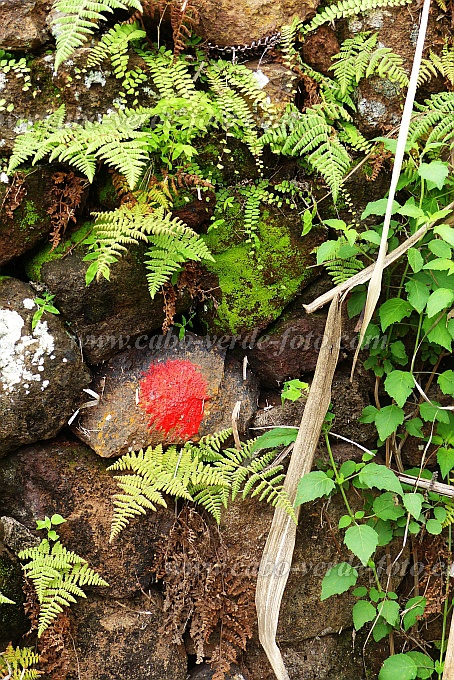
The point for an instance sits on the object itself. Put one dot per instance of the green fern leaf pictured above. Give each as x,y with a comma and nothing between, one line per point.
76,21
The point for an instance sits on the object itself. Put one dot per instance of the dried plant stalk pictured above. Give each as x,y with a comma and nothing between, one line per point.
278,552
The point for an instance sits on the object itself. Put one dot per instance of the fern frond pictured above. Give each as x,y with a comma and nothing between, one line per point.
17,662
5,600
57,575
449,507
201,473
114,45
348,8
76,21
28,143
171,78
309,135
434,122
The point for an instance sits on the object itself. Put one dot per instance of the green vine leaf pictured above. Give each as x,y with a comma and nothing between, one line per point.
418,294
362,540
363,612
380,477
399,385
424,663
338,579
413,503
446,382
440,299
445,459
393,311
388,419
313,485
386,506
399,666
278,436
389,610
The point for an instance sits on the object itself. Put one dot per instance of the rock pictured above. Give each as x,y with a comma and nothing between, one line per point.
348,400
13,622
224,23
183,387
23,25
250,288
328,657
86,93
106,316
113,641
277,80
41,370
116,631
288,349
204,672
16,536
24,217
318,49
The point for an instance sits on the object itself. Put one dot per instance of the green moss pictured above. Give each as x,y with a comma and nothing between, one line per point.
34,265
30,215
256,286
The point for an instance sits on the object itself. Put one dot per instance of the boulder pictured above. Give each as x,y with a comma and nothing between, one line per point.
288,349
41,370
251,287
86,93
223,23
106,315
165,391
23,26
24,219
117,630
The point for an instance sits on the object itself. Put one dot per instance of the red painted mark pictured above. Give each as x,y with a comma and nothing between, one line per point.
173,394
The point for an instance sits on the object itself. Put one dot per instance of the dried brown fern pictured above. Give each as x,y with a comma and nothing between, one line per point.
14,195
66,195
378,159
206,590
53,643
183,19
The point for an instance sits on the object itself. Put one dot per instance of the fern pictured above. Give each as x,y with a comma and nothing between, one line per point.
359,58
309,135
117,140
58,575
114,46
433,123
172,243
5,600
171,78
17,662
200,473
442,64
76,21
348,8
338,267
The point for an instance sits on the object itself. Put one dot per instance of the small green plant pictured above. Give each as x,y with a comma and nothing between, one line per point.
294,390
44,305
57,574
201,473
17,663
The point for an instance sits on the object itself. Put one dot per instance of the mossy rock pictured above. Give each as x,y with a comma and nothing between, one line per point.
252,287
13,622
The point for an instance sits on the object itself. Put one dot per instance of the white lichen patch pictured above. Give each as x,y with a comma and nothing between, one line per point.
375,19
3,81
372,111
261,78
95,78
23,126
20,353
355,26
28,303
4,178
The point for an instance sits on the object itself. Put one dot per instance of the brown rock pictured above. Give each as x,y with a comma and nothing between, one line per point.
318,49
24,219
289,349
107,316
116,631
118,423
41,371
225,23
23,25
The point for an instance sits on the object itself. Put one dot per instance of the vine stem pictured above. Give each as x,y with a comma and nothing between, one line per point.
337,478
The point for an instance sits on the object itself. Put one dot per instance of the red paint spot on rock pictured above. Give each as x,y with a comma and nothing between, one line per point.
173,393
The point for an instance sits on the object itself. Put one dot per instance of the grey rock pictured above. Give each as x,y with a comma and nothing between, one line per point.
41,371
23,25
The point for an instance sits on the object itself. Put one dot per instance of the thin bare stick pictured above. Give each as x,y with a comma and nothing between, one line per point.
437,487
